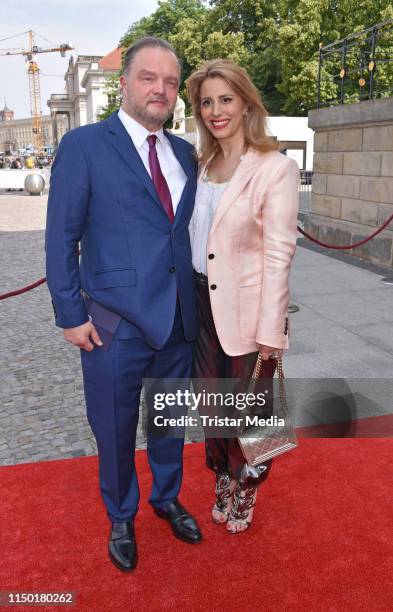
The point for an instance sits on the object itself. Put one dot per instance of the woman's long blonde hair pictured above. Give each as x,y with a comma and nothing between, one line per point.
255,118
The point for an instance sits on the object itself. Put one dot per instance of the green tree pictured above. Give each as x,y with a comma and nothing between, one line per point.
258,21
276,40
194,44
297,40
163,22
188,26
112,91
306,24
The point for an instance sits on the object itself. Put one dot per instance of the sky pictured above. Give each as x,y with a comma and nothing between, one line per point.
93,27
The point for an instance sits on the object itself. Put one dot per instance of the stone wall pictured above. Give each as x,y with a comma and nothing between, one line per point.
352,191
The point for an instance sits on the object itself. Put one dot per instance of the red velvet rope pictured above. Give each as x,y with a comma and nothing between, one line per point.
347,246
4,296
41,281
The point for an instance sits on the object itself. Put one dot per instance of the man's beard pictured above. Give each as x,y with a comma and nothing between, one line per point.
147,116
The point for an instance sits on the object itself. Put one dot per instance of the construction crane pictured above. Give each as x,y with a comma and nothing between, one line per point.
34,81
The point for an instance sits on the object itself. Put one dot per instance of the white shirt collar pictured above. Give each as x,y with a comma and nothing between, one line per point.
137,132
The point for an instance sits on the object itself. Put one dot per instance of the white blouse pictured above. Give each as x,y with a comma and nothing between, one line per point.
207,197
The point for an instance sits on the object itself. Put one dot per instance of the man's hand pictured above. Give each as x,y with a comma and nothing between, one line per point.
83,336
269,351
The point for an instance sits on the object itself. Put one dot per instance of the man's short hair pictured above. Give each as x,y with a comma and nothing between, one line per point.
145,42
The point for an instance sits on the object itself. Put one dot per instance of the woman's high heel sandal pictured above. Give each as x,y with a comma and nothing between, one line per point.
240,516
225,486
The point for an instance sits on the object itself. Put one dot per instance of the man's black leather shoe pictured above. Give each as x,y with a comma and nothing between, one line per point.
122,546
184,526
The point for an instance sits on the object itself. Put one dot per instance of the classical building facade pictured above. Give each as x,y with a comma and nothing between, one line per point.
85,84
17,134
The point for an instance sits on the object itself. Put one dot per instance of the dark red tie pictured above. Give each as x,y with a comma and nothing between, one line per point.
158,178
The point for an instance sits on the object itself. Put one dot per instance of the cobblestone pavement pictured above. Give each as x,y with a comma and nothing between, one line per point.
42,410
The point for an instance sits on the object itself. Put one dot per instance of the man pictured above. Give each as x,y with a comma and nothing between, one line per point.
124,189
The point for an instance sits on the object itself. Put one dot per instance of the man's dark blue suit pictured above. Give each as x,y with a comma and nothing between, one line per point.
136,268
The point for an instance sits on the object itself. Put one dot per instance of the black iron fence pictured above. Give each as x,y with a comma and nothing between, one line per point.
356,68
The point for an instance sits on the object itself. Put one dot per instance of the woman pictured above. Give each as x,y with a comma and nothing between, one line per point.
243,236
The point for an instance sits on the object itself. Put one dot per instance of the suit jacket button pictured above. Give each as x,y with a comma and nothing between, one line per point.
211,255
213,287
172,269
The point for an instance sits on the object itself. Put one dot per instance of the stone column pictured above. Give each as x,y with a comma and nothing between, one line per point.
352,191
54,130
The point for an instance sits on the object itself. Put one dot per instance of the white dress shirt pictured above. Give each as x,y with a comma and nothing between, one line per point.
170,167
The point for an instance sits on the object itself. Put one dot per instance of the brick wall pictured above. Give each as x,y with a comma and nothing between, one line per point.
352,191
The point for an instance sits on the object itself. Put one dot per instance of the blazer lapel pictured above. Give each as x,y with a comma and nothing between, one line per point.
189,168
241,177
184,160
123,144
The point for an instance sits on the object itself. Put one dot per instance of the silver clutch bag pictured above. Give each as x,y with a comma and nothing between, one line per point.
260,443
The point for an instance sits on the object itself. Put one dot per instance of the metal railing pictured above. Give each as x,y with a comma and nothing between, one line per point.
305,191
358,67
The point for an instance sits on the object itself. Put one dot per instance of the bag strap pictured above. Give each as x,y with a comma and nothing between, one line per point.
257,373
259,367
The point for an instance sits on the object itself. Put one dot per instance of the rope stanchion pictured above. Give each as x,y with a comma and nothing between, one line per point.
41,281
347,246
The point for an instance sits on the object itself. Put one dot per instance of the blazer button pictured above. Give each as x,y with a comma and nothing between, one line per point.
213,287
211,255
173,269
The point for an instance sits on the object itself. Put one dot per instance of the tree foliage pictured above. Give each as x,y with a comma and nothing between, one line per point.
112,91
306,24
277,41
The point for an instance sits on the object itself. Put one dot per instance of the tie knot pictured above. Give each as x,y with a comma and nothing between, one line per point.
151,139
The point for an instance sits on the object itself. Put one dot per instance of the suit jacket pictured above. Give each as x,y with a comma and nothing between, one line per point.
250,248
134,262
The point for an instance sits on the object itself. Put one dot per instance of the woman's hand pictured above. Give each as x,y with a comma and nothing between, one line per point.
269,351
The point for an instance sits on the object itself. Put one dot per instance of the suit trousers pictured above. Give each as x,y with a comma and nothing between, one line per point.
210,361
112,385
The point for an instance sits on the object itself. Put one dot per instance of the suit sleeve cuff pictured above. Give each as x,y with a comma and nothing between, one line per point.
67,318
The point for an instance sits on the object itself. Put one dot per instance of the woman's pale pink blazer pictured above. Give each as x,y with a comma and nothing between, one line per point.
250,248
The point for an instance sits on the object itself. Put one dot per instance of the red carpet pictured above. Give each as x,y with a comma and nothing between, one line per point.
321,539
